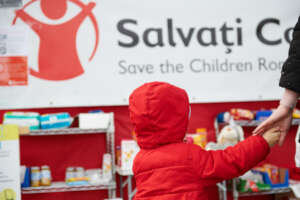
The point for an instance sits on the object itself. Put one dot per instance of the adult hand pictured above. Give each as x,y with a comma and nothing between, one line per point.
281,117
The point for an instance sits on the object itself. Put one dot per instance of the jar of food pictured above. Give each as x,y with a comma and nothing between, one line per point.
35,176
79,172
70,174
45,176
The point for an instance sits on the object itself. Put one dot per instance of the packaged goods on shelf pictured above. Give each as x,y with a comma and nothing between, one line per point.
45,176
252,182
25,176
198,138
39,176
56,120
76,176
94,120
35,176
91,181
241,114
27,121
262,115
107,167
274,176
95,177
296,113
128,151
223,117
70,173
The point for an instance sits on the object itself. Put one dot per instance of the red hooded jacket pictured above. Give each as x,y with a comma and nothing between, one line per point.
168,169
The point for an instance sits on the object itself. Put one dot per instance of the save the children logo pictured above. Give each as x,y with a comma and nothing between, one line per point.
58,58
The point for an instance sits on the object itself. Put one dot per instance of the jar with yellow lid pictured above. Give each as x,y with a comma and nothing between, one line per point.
35,176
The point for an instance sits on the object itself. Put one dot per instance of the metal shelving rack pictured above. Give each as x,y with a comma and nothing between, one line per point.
222,186
62,186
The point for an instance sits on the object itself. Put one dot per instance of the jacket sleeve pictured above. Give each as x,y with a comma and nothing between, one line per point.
233,161
290,74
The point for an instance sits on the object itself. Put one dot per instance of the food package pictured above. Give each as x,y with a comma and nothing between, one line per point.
129,149
296,113
198,138
262,115
94,120
274,176
27,121
107,167
55,120
241,114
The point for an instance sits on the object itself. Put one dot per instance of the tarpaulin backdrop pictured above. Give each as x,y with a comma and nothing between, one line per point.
85,53
60,152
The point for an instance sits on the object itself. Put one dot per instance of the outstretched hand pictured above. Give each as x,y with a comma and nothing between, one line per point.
281,117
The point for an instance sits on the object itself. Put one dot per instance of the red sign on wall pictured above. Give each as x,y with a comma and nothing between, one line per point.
13,71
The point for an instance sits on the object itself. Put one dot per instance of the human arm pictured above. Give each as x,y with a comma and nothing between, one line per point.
86,10
33,23
290,74
290,80
234,161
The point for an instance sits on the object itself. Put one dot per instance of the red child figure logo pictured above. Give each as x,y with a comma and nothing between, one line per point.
58,58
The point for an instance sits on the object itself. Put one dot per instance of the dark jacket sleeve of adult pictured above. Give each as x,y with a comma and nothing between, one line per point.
290,74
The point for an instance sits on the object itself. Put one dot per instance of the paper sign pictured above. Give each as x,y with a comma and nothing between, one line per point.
13,71
10,163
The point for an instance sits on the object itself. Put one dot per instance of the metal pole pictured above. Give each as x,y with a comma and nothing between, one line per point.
129,187
121,187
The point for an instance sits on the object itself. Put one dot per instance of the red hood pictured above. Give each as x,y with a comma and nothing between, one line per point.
159,113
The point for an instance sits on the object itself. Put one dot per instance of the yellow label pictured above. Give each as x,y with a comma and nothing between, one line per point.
8,194
9,132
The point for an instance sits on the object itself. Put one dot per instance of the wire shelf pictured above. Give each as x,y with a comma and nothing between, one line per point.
63,187
252,123
65,131
267,192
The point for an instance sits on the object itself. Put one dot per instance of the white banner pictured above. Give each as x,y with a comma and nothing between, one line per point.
85,53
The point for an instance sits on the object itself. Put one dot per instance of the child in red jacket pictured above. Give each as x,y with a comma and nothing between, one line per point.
168,169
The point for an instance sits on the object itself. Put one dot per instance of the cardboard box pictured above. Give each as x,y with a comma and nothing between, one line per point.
129,149
94,120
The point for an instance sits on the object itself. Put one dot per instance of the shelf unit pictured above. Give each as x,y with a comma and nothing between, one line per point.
222,186
62,186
